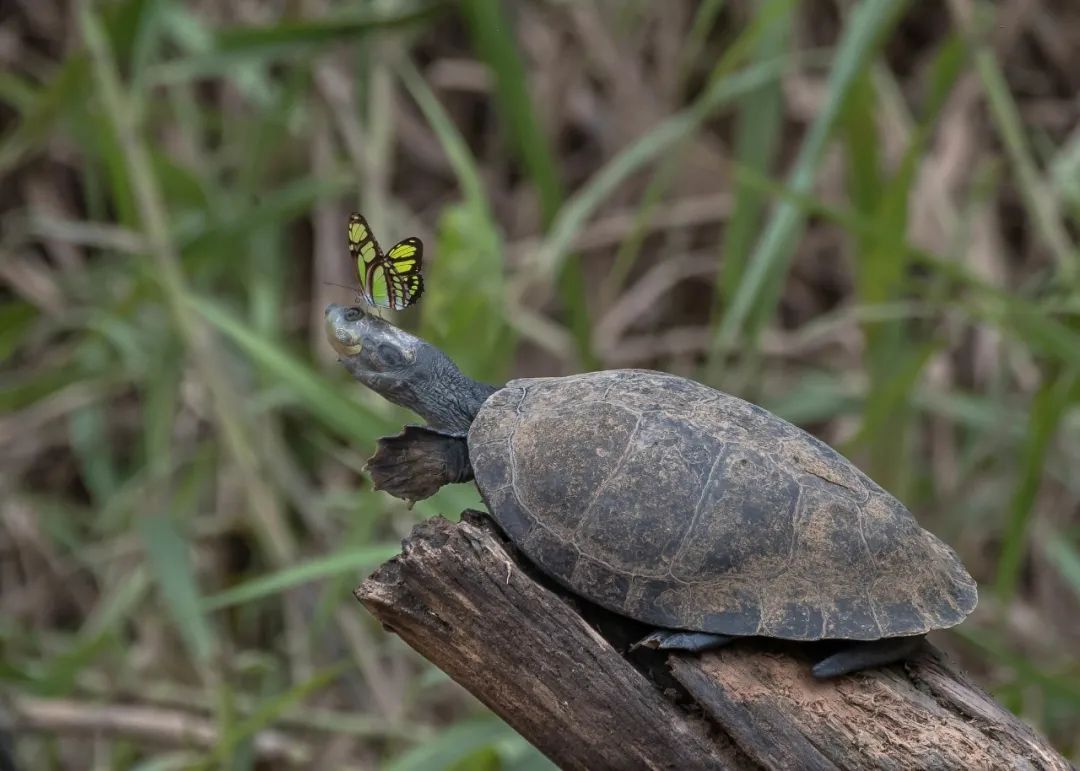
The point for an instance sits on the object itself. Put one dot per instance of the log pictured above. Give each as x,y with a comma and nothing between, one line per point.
558,670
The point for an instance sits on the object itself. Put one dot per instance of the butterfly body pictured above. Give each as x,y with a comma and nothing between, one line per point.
391,280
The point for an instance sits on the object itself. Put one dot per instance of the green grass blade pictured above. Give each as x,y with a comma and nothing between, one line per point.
39,118
1043,204
1065,556
23,389
89,432
704,18
1029,669
1047,409
272,708
451,746
320,31
492,36
138,175
130,26
17,318
268,212
349,560
463,303
886,407
324,400
583,203
465,282
769,261
893,356
120,603
1065,170
167,557
221,52
18,92
771,19
453,144
60,674
1030,325
757,136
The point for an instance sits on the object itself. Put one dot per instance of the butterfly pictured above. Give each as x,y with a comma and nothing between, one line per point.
390,280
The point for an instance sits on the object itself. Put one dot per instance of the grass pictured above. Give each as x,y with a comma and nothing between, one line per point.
184,513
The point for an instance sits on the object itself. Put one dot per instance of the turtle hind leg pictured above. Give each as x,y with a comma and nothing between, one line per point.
675,640
414,464
862,655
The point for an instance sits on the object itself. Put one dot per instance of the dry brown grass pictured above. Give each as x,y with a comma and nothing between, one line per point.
155,450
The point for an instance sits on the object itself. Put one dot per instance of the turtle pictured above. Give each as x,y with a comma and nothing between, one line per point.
698,514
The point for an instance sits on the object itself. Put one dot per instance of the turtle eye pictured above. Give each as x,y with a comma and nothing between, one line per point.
352,314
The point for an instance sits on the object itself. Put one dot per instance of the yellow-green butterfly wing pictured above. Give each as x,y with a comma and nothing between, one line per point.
390,280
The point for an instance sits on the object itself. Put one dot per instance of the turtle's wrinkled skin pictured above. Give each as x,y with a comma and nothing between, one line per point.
667,501
680,506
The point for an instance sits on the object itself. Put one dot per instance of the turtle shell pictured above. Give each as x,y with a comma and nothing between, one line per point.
683,507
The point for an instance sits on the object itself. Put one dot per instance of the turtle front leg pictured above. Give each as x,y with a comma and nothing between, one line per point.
414,464
675,640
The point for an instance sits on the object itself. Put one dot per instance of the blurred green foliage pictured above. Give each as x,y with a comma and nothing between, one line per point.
183,512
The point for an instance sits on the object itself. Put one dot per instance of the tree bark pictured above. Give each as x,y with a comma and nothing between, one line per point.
550,665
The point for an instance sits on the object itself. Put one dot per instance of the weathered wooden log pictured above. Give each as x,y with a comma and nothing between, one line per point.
556,669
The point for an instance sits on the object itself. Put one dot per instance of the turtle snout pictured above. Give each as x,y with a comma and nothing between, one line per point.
342,330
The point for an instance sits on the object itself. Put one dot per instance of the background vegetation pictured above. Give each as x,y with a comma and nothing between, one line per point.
862,215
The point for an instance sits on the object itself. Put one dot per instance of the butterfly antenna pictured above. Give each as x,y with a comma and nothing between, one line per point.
331,283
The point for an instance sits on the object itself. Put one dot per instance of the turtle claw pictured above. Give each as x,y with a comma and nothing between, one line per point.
673,640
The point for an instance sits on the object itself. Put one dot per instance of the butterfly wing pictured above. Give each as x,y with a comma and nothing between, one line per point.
405,283
365,250
389,280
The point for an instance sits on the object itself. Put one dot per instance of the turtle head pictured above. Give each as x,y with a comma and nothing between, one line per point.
404,369
369,346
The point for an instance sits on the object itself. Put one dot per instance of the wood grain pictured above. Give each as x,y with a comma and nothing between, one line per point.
462,596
